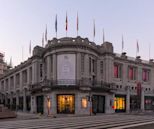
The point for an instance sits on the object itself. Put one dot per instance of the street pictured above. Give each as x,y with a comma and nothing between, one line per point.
114,121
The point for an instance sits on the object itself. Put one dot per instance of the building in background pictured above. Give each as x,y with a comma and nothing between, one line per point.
76,76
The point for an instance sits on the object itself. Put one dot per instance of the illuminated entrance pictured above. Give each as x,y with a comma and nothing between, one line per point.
65,104
120,103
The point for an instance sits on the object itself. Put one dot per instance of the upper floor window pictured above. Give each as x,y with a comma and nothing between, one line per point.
17,79
24,76
7,84
82,62
145,75
117,70
30,74
41,71
101,67
11,82
132,73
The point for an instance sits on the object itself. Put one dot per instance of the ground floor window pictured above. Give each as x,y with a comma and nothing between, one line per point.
84,103
65,104
149,103
120,103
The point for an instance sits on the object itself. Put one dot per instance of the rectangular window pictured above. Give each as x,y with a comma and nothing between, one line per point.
17,80
101,67
41,71
24,76
145,75
117,70
12,82
30,74
84,103
90,64
82,62
132,73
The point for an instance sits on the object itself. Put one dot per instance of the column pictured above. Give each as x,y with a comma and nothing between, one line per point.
107,104
33,104
6,102
17,100
11,100
128,100
24,100
142,99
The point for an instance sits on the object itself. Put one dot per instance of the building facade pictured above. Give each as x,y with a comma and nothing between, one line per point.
76,76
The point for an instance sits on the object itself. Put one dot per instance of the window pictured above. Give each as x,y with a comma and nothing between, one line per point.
41,71
17,80
101,67
117,70
82,62
24,76
132,73
145,75
7,84
84,103
89,64
93,65
30,74
11,82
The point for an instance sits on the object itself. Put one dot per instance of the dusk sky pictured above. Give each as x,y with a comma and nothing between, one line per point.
25,20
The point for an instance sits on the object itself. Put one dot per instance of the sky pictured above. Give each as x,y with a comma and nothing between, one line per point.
25,20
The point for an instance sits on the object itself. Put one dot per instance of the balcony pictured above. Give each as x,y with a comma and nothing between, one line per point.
69,84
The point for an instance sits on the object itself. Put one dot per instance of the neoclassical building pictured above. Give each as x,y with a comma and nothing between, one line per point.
76,76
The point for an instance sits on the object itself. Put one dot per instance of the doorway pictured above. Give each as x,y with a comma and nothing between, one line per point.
98,104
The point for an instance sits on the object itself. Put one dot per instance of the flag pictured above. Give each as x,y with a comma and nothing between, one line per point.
66,23
30,47
56,24
46,38
122,43
94,29
43,40
137,47
77,23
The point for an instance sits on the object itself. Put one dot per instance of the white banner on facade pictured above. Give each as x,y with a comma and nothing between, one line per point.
66,69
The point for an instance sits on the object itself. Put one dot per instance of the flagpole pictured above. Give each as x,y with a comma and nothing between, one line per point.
77,24
66,24
149,50
56,25
94,30
103,36
122,44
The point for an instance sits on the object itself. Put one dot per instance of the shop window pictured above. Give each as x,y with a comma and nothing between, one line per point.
119,103
84,103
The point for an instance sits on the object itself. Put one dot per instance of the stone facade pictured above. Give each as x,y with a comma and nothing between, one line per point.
74,75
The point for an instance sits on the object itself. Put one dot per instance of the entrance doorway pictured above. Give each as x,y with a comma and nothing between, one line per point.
40,104
98,104
66,104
